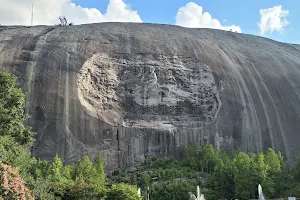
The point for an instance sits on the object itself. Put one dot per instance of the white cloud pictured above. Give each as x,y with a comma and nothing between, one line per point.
18,12
191,15
272,19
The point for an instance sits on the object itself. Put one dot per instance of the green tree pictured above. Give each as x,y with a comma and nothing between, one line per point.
122,191
192,157
203,158
242,176
82,190
275,172
66,172
85,171
42,190
56,169
273,160
172,191
284,181
210,158
41,169
12,153
99,167
260,175
60,174
12,113
297,170
144,180
293,192
222,180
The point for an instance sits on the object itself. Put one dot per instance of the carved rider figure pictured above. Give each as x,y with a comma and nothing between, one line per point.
170,80
150,80
150,84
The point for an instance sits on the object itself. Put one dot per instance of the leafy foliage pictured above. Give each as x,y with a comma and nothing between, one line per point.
12,114
100,172
220,175
222,180
172,190
122,191
13,153
12,185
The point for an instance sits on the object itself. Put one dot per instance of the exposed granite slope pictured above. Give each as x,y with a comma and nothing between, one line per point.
133,90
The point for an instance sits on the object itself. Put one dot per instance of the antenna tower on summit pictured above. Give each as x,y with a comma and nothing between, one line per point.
32,15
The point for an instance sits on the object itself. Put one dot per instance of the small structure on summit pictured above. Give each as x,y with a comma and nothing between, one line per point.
63,21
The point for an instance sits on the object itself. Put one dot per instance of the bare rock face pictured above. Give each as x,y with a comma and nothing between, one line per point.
129,91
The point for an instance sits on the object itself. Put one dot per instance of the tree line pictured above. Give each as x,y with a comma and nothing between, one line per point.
220,175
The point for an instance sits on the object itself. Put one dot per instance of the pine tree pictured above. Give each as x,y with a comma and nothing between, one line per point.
99,167
85,171
56,169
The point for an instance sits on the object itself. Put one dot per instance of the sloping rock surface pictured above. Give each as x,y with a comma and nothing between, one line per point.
134,90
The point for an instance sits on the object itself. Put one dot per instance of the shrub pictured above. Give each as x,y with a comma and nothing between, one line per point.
123,191
12,185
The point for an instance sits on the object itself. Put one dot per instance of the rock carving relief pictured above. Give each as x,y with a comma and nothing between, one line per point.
149,90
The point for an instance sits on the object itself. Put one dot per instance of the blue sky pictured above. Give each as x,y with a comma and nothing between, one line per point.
279,20
241,13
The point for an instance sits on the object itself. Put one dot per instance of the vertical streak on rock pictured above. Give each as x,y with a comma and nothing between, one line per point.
253,114
119,150
217,141
59,103
276,112
66,116
30,46
294,84
261,99
29,75
30,83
